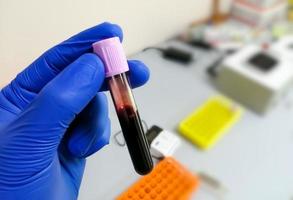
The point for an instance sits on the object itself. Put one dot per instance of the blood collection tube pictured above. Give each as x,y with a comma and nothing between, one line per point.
116,68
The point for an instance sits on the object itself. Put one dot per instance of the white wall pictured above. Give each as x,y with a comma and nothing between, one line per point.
27,28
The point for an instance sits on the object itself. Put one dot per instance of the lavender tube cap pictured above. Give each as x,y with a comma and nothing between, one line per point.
113,56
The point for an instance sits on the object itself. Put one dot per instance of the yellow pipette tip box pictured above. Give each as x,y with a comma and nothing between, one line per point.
207,124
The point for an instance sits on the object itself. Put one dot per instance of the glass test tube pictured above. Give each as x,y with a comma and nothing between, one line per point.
116,67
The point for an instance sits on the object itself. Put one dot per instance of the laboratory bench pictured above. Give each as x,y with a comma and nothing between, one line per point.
253,160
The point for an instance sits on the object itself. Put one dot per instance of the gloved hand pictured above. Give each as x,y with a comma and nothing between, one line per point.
53,115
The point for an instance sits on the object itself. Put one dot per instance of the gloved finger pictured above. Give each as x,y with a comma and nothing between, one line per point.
100,141
91,127
29,82
48,117
138,74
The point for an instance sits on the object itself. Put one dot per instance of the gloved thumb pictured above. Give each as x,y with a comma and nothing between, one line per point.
43,124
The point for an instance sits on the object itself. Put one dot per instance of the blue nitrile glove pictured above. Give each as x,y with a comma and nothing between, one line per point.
52,116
